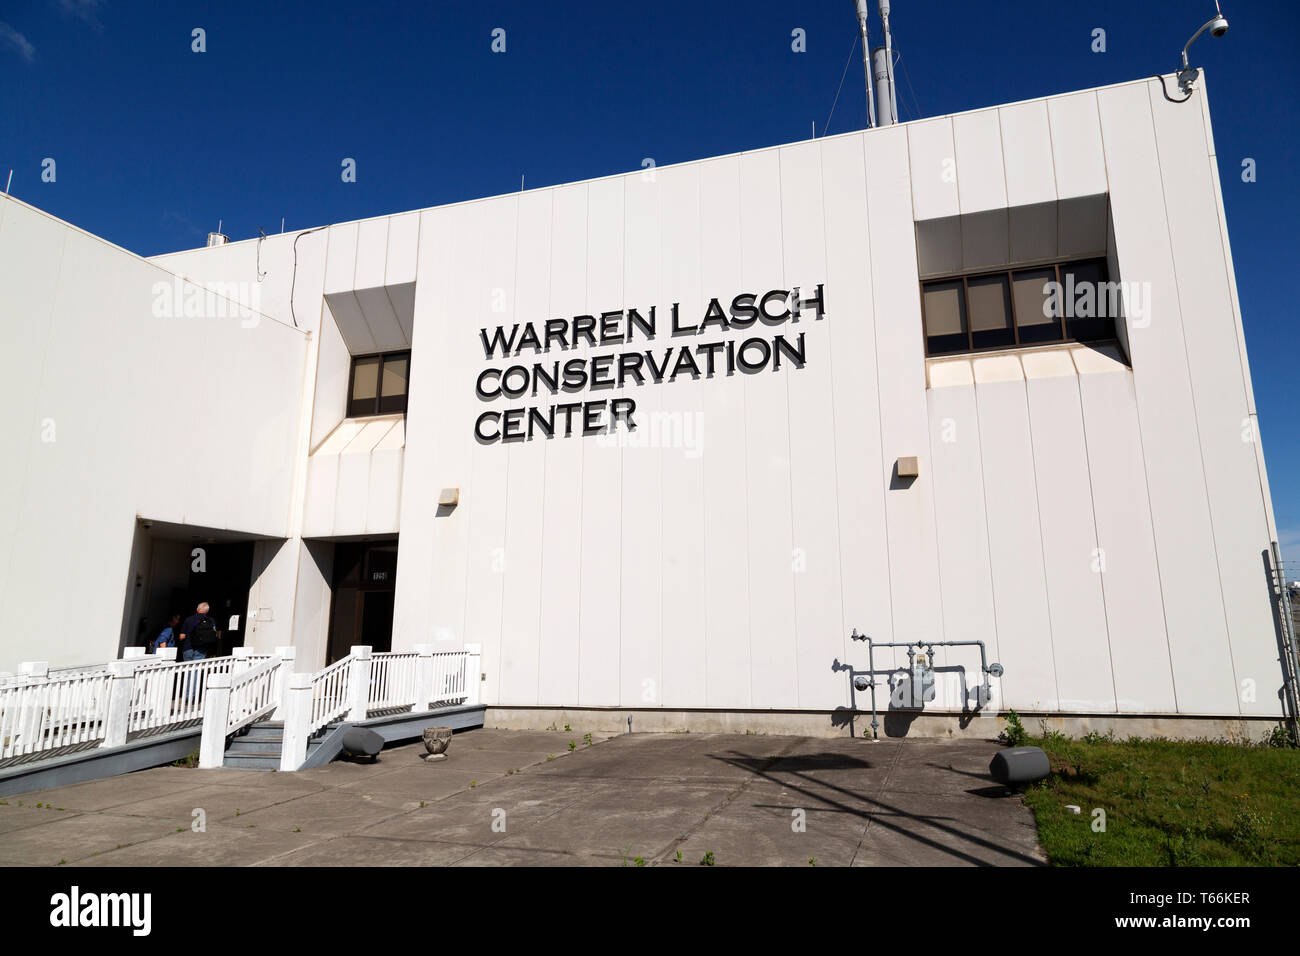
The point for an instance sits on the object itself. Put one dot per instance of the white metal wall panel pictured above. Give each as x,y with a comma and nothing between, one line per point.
403,248
981,177
341,258
913,557
560,613
967,595
933,167
603,541
1131,577
815,559
384,500
1226,431
1076,145
432,557
1027,153
726,519
773,676
1016,547
850,326
684,597
526,290
641,624
483,259
1075,601
31,256
1194,612
372,253
333,368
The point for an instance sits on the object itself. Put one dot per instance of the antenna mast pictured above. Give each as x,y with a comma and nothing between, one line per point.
882,59
861,6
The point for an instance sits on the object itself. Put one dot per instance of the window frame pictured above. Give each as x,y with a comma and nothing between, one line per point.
1009,273
372,407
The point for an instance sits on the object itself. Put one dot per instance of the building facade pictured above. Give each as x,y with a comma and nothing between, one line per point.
661,441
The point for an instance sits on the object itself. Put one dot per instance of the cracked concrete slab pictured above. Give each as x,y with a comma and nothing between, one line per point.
523,798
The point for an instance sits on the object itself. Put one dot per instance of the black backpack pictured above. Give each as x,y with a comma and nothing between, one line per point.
204,637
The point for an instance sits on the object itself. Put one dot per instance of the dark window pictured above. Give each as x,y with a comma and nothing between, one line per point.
1091,304
989,305
1069,302
1038,312
377,385
945,317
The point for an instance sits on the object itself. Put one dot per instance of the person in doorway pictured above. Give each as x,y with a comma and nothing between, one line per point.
167,636
199,636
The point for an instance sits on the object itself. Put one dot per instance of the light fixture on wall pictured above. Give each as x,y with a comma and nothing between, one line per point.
449,498
908,467
1218,26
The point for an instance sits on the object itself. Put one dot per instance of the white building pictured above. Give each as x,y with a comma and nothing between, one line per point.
1090,497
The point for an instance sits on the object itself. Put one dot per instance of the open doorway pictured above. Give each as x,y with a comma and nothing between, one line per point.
177,566
364,583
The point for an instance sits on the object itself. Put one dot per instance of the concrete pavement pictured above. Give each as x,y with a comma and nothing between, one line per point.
522,798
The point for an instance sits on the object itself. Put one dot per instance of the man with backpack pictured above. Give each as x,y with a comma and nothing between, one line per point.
199,637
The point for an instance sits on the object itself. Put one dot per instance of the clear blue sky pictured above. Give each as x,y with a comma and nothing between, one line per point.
154,144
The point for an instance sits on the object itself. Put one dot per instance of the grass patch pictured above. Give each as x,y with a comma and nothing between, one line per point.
189,761
1168,803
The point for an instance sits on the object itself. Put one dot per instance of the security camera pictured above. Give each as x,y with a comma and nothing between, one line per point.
1218,26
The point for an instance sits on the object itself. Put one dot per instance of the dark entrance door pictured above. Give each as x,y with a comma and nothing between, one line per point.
365,578
222,578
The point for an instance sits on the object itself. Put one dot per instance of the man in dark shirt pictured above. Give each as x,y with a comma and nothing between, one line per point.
198,635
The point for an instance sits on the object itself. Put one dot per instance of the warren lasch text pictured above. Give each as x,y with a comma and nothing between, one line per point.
617,369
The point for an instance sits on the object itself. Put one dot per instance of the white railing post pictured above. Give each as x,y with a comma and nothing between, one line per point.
35,670
216,715
165,654
359,682
130,653
423,677
287,655
297,721
473,672
121,694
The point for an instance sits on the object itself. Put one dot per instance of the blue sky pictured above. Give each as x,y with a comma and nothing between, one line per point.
154,143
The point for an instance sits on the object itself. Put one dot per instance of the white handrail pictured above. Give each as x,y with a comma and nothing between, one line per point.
42,712
171,693
330,691
449,678
392,679
253,693
49,714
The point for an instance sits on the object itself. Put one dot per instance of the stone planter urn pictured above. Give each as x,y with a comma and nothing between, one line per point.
436,740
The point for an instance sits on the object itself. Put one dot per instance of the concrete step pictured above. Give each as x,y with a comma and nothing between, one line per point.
245,745
262,733
260,748
252,761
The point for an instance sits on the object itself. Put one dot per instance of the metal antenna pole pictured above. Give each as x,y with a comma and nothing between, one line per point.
889,59
861,6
